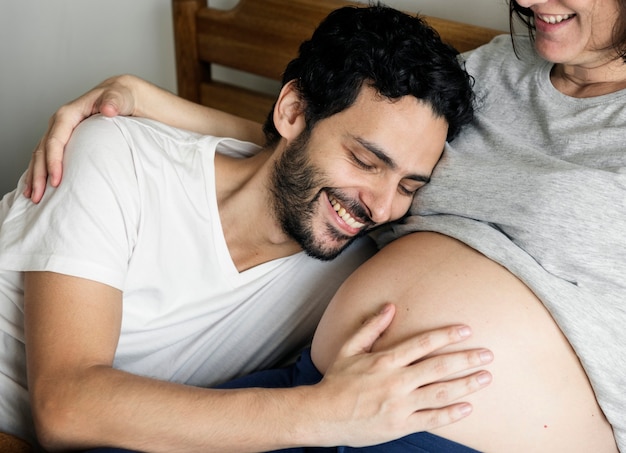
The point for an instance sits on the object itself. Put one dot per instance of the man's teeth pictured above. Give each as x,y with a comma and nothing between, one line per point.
554,19
341,211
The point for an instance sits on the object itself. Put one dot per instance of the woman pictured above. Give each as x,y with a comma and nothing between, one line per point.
523,234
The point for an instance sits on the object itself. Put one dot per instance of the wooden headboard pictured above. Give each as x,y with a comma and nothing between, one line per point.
260,37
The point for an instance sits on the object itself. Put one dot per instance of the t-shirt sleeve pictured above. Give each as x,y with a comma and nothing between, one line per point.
88,225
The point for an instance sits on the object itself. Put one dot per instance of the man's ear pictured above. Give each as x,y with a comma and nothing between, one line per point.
289,112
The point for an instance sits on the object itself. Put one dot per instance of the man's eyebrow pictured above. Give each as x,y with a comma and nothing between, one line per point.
387,160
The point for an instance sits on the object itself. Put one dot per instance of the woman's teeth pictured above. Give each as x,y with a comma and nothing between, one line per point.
554,19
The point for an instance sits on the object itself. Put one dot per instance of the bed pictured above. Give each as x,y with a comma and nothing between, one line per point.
257,38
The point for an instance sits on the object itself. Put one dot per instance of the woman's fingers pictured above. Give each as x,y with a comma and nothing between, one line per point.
110,98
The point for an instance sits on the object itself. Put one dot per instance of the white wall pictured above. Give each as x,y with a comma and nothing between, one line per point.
52,51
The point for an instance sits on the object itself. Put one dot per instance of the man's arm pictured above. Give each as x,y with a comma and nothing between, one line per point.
80,401
131,96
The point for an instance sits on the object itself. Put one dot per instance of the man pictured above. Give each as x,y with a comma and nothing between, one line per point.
169,260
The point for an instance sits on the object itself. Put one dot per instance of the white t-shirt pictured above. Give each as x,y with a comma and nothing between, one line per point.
137,210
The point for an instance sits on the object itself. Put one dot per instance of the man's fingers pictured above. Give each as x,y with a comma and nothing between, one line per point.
408,387
363,340
440,394
428,419
420,345
444,366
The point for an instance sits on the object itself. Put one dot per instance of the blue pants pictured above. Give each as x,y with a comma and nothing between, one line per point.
303,372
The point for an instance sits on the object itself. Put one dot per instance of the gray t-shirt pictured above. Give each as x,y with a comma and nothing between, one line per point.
538,184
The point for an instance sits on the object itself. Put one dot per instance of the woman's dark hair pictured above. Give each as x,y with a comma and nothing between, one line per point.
526,17
395,53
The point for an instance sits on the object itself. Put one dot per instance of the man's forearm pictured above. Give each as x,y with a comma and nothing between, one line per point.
105,407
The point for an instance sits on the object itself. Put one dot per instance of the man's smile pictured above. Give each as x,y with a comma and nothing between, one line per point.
353,225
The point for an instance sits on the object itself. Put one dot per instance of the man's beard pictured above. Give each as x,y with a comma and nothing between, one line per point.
296,186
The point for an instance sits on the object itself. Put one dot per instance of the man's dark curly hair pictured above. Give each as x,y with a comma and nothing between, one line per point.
395,53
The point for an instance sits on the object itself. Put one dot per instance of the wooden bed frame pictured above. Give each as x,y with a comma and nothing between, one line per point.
260,37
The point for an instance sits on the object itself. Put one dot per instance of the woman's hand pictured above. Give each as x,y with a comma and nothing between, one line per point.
110,98
127,95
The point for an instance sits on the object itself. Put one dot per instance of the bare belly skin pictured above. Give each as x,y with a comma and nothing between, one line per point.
540,399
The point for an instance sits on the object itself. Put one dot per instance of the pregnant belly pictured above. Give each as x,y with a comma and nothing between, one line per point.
540,399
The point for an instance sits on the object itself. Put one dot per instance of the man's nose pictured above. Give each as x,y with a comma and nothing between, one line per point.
380,202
